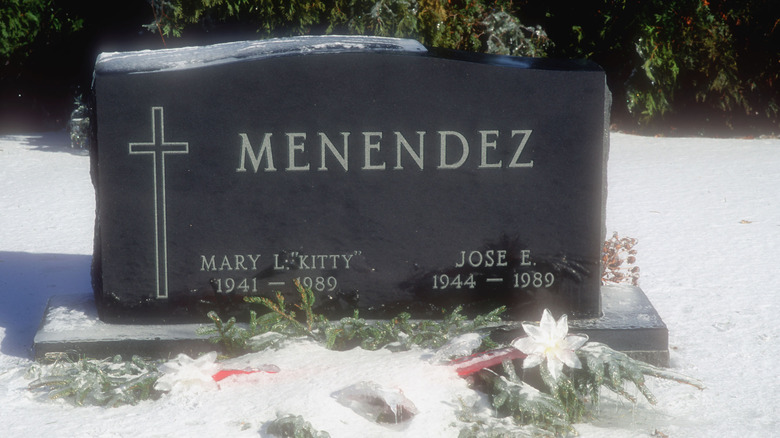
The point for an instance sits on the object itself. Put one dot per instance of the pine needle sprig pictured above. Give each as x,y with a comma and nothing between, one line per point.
603,366
401,333
512,397
283,320
110,382
289,425
354,331
573,400
556,403
232,337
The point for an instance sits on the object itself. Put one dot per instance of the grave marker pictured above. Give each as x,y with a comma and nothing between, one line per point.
385,176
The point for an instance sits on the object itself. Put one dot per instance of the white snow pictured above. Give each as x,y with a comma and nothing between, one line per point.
184,58
707,216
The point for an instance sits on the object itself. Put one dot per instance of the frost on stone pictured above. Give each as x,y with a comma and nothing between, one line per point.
377,403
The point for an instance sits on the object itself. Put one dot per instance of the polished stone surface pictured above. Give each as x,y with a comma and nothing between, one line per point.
386,177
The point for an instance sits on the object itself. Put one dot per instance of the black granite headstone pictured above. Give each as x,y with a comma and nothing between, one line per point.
384,176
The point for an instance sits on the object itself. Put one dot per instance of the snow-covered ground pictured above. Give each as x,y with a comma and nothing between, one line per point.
707,216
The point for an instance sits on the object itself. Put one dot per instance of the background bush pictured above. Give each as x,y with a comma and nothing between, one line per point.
678,66
706,64
27,27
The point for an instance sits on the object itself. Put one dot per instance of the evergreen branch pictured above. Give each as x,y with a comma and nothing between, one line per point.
294,426
564,390
661,373
603,366
280,312
232,337
307,304
282,320
110,382
510,396
568,397
401,333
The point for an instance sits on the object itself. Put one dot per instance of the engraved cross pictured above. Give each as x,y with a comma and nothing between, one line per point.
158,149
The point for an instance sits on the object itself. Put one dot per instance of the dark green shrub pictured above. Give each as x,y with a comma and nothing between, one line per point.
457,24
669,60
706,61
25,22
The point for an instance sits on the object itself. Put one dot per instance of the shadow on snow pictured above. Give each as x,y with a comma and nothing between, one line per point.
54,141
26,282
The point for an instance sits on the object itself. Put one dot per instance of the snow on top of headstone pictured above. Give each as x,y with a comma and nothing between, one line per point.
145,61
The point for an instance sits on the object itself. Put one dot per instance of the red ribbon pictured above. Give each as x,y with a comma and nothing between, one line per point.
471,364
224,374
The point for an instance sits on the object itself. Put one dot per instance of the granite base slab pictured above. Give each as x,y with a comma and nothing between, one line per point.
71,325
629,323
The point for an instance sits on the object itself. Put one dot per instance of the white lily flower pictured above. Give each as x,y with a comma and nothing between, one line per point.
551,341
186,373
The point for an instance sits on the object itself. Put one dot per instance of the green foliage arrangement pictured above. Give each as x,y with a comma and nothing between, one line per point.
235,339
513,397
546,402
618,266
521,409
533,403
548,406
109,382
558,397
231,337
400,333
